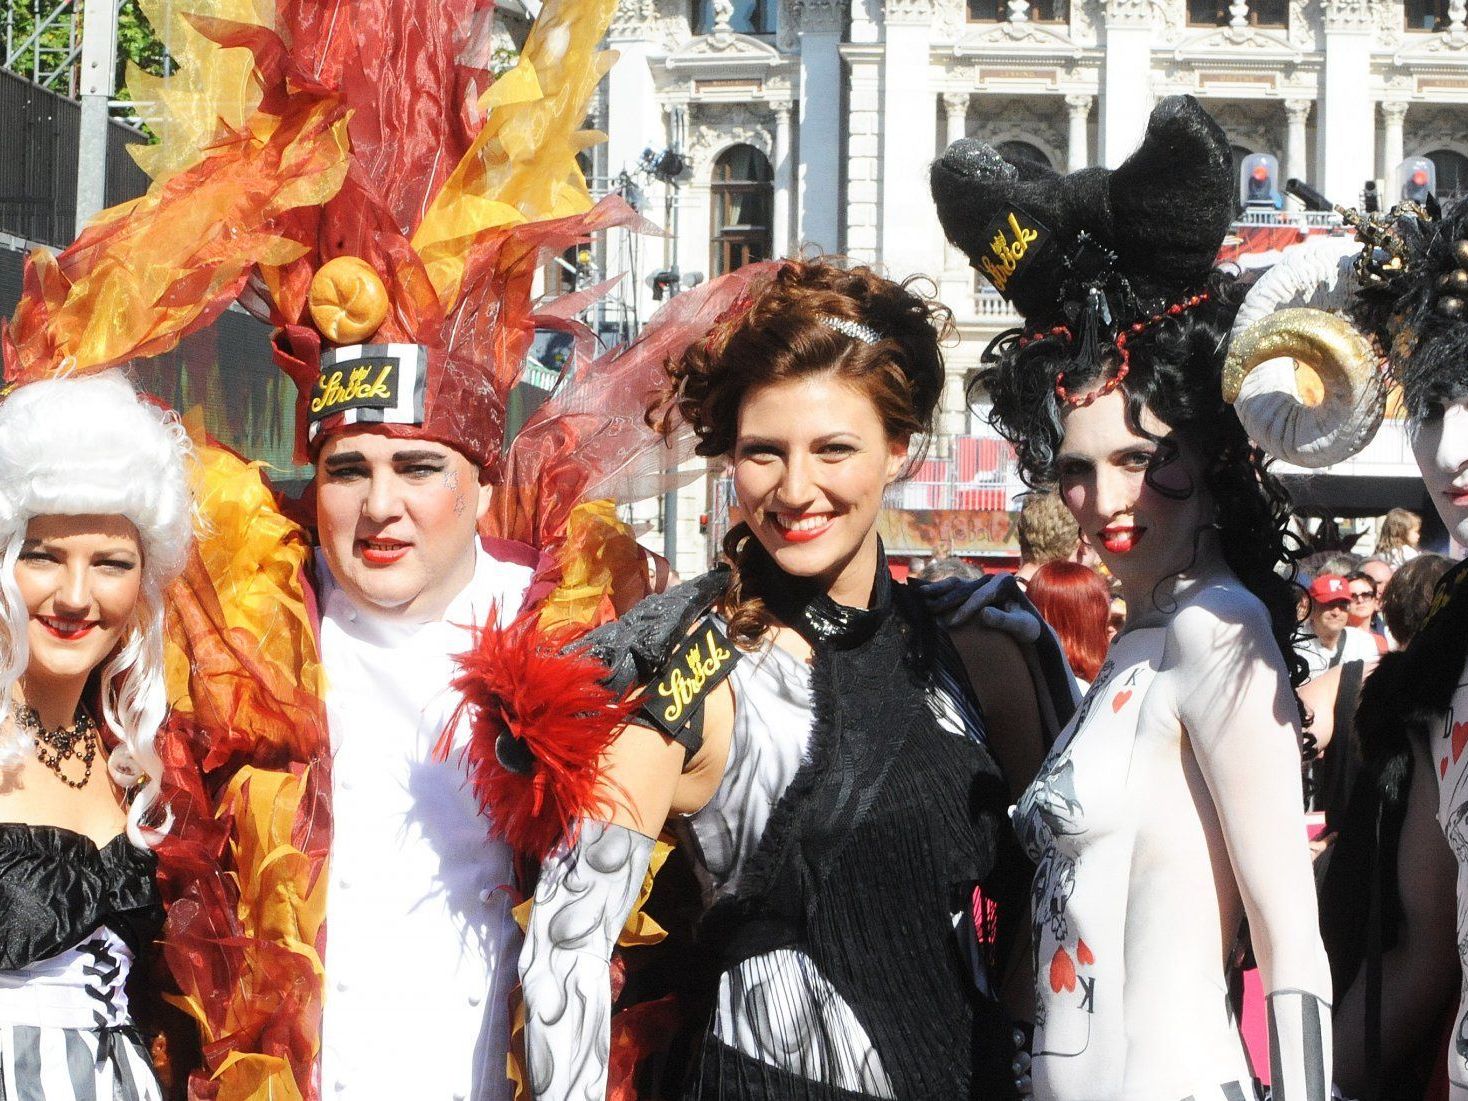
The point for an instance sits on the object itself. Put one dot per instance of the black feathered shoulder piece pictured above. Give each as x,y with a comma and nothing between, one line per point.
635,647
1125,242
1413,297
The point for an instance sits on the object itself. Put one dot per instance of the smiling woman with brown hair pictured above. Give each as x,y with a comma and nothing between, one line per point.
831,773
94,533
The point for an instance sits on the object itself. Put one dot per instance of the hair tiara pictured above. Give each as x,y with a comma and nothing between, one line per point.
854,329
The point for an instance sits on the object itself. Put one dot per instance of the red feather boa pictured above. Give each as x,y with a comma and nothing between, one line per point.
521,678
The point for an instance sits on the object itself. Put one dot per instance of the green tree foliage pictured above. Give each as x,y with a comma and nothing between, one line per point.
137,43
53,55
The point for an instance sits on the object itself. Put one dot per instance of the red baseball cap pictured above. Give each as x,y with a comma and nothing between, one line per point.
1330,588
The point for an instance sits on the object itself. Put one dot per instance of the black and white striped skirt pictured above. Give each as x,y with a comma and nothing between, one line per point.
75,1064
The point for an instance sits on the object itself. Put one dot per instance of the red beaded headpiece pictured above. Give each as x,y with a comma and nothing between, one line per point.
1122,340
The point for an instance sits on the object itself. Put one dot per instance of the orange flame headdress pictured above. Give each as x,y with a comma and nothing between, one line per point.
351,172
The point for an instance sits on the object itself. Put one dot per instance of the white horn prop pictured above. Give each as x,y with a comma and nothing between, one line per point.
1287,319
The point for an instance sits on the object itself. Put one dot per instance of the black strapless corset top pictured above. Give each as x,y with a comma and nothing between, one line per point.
57,886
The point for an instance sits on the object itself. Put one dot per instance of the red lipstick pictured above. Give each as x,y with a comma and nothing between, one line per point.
1121,540
75,629
382,552
803,535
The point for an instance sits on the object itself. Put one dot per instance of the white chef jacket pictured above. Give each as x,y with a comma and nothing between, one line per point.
420,942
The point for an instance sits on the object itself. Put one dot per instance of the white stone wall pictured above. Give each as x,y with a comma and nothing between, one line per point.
852,98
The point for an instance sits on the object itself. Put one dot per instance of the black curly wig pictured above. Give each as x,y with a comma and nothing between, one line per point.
1100,258
1175,370
1419,258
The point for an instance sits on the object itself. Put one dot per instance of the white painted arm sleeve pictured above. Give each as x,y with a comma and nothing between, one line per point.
585,893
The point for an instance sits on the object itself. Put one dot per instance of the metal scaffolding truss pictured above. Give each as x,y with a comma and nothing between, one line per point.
43,42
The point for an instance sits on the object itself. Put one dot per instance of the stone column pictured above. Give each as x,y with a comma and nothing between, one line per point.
784,183
911,241
634,122
1393,115
1347,124
957,286
819,119
955,116
953,409
1078,155
863,196
1297,163
1126,88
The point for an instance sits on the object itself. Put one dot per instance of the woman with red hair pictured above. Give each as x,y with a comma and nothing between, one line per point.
1076,603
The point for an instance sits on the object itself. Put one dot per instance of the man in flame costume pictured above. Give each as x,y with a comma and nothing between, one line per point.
339,916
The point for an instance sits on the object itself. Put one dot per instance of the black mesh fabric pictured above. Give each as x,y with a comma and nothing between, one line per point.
844,975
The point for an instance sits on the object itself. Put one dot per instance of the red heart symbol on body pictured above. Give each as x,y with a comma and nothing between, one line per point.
1460,738
1442,767
1118,701
1062,971
1084,954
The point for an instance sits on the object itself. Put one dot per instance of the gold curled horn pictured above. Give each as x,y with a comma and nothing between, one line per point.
1285,330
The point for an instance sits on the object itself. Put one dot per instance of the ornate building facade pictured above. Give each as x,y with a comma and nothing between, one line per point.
811,123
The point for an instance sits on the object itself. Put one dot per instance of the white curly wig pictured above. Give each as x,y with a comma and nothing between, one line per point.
90,446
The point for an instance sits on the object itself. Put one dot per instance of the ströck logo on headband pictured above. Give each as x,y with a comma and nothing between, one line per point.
370,384
1014,240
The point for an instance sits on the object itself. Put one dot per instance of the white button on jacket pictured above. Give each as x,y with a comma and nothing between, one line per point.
420,943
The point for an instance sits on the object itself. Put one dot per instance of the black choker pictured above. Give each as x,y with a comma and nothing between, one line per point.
812,614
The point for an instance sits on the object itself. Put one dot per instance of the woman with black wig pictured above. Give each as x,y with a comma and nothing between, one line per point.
1394,898
1170,810
813,738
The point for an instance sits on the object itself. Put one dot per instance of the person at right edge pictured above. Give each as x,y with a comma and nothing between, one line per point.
821,745
1395,882
1170,810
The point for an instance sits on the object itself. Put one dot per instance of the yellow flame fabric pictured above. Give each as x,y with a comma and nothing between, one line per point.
522,164
210,93
247,764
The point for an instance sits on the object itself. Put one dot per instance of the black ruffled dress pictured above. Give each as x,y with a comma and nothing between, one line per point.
73,917
844,927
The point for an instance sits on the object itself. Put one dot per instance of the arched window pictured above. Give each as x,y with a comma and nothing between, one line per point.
1023,151
743,195
746,16
1452,173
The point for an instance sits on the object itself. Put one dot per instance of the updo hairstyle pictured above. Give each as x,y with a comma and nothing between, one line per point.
1174,371
92,446
783,332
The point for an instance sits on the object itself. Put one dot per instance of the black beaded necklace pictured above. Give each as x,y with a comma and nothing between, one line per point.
77,742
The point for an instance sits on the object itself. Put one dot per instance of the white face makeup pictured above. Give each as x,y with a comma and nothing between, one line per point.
1140,502
1440,444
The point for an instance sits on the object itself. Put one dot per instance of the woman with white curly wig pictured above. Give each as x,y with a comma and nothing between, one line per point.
95,522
